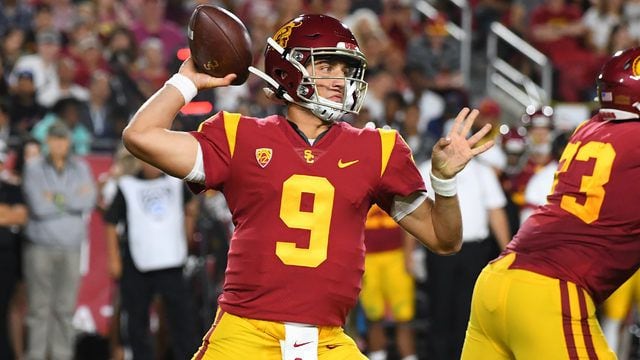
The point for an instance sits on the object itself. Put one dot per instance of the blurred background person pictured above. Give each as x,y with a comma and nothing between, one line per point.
157,213
541,183
13,215
43,67
388,291
59,192
450,279
66,111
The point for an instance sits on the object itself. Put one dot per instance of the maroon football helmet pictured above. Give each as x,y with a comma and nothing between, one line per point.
538,117
300,42
619,85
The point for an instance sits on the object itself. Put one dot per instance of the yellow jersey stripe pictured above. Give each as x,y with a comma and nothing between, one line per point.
388,140
231,121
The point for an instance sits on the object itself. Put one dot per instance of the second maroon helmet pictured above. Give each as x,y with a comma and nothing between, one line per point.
619,84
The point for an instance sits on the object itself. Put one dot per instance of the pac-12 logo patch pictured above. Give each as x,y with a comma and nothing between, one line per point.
263,156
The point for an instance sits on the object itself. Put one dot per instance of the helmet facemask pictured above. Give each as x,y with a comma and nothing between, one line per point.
354,88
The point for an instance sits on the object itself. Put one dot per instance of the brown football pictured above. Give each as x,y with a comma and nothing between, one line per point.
219,43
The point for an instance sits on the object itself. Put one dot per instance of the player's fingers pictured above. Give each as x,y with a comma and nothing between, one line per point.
468,122
479,135
482,148
442,143
458,121
213,82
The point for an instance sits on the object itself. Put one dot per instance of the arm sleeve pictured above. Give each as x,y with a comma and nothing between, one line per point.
216,154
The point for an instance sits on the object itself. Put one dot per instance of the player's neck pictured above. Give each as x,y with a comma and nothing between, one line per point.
310,125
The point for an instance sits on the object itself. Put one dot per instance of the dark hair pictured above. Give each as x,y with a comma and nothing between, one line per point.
19,165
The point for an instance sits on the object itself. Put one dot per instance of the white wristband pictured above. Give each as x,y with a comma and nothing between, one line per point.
186,87
443,187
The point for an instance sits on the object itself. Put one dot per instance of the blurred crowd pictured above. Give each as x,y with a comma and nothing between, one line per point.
77,70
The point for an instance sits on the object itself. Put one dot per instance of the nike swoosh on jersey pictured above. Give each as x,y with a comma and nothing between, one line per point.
295,345
343,165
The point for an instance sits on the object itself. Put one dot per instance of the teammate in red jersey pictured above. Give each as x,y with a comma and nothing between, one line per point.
538,300
299,188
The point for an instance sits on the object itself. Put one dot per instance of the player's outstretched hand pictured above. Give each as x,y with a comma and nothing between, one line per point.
452,153
202,80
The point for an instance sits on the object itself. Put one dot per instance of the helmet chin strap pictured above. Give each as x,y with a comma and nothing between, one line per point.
279,90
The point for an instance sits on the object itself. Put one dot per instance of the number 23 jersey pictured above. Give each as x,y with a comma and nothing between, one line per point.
297,252
589,230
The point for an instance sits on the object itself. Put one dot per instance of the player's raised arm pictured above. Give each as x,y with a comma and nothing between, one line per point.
438,224
148,135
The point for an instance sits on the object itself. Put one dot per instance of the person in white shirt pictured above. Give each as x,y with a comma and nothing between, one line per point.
451,279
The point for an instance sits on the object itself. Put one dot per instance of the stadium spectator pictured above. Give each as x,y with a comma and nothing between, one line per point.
371,37
25,111
28,150
632,16
556,29
600,19
150,22
150,72
5,125
12,48
157,212
292,200
67,85
573,252
13,215
437,54
415,139
100,113
59,192
67,111
87,53
620,39
15,14
396,20
43,66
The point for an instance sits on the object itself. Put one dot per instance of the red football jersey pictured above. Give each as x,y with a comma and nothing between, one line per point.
589,231
381,232
297,253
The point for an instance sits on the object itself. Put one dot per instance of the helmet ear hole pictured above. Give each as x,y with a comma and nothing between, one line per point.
281,74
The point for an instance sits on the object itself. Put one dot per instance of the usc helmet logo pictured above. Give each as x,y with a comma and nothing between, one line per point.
635,66
282,35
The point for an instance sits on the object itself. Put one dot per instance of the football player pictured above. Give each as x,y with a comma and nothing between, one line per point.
538,299
299,188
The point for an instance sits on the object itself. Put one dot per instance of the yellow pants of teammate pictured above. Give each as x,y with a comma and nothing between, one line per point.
387,283
518,314
618,305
